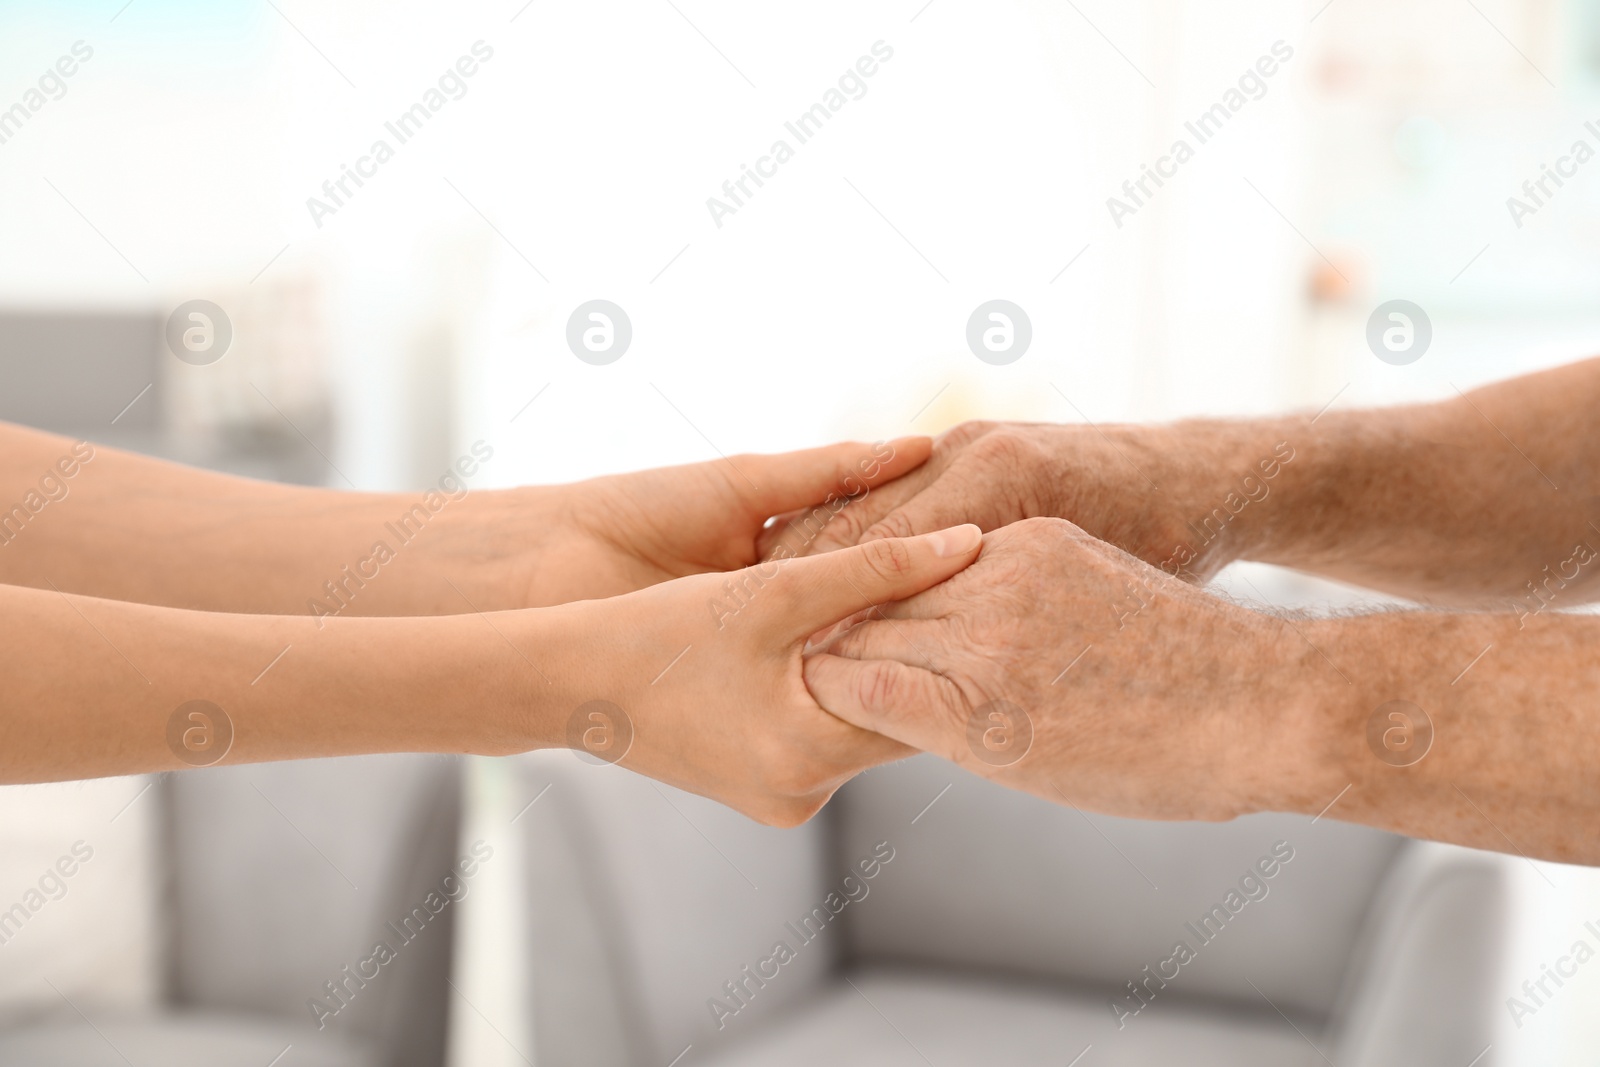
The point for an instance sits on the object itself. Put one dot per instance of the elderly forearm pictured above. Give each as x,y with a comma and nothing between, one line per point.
103,687
1489,498
1462,728
93,520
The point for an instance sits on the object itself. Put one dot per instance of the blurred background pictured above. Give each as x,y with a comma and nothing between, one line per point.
195,152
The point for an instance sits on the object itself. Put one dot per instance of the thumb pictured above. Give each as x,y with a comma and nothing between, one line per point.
905,703
936,508
821,590
795,480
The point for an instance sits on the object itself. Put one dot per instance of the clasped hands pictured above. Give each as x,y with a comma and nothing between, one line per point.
1023,600
875,621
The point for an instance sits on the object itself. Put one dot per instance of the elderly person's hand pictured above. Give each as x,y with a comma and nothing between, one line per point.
1184,497
1062,666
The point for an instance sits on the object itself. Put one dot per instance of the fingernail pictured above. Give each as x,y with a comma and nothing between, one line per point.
818,639
956,541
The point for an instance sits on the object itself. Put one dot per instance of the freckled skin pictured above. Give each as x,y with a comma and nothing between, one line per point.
1186,706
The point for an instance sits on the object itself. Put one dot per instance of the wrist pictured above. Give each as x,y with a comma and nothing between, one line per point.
1331,501
1215,487
483,550
1306,757
1281,755
535,663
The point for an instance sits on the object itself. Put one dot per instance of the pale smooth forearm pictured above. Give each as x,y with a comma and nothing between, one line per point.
128,527
1513,714
702,690
94,685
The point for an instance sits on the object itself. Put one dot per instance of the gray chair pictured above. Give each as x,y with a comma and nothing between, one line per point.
279,877
107,377
1003,931
95,374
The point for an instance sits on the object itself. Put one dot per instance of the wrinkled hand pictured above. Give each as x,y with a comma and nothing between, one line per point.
701,677
1137,487
1060,665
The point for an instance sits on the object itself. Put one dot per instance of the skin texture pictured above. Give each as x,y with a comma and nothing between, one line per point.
1089,647
133,587
717,696
1184,706
1145,697
1460,503
94,685
128,527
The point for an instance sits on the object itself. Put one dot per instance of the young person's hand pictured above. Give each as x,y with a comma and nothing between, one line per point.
694,681
549,545
697,682
204,541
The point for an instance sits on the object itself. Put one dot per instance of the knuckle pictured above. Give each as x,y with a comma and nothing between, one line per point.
852,642
894,524
964,434
847,525
785,591
880,685
889,559
836,522
1012,468
1049,526
1040,536
817,524
1004,443
1015,449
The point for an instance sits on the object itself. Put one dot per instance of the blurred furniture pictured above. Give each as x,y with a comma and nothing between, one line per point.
107,377
279,877
999,933
93,375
